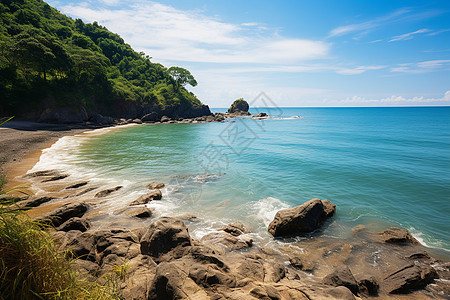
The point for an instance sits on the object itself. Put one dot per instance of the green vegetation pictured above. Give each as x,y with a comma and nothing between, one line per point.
32,268
49,59
239,105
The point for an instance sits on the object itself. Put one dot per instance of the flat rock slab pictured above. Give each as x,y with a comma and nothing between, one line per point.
144,199
398,236
410,277
35,201
155,185
60,215
106,192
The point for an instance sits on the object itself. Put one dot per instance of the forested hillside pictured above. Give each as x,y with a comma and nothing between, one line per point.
48,60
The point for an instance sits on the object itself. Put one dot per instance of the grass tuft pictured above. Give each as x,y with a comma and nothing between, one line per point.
32,268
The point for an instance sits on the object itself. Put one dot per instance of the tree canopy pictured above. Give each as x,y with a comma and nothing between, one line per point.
47,55
182,76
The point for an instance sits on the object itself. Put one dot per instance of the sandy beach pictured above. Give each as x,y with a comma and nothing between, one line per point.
22,144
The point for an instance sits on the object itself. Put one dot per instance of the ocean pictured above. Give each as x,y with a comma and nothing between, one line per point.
382,167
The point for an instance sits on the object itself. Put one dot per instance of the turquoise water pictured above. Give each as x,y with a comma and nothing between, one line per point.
382,167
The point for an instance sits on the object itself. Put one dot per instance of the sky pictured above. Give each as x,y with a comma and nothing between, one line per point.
299,53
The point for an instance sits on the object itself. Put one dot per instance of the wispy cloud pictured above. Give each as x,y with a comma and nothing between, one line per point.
409,35
422,67
438,32
399,16
358,70
368,25
172,35
395,100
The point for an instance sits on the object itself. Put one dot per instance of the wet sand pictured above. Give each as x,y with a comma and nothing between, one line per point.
22,144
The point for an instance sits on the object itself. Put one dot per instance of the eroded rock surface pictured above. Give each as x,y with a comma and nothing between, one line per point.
301,219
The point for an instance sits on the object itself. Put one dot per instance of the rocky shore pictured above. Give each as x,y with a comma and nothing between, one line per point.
163,261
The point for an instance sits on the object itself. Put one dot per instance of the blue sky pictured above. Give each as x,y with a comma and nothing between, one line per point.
300,53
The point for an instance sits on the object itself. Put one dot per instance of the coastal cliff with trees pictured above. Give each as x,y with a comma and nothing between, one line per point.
56,69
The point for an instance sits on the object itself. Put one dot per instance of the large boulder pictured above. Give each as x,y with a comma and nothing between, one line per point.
163,236
64,213
239,105
301,219
410,277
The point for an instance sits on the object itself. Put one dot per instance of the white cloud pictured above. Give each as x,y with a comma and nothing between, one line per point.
422,67
168,34
409,35
358,70
397,101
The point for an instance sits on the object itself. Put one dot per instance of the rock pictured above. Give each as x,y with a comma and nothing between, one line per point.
303,218
302,264
163,236
398,236
106,192
342,276
144,199
55,178
164,119
171,282
81,246
34,201
137,121
251,268
155,185
139,212
340,292
139,277
235,229
410,277
85,267
227,241
67,114
99,119
77,185
260,115
277,271
368,286
75,224
64,213
239,105
151,117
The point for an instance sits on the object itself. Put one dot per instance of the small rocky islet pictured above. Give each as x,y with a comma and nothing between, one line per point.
165,262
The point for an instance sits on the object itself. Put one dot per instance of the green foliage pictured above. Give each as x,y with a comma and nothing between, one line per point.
32,268
46,55
181,77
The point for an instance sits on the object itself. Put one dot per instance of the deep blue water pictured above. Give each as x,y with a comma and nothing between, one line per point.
382,167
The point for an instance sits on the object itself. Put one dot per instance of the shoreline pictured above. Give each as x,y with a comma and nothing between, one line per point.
32,157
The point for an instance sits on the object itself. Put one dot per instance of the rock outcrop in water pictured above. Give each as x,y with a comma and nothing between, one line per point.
301,219
239,108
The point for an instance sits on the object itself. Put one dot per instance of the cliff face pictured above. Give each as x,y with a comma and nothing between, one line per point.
122,109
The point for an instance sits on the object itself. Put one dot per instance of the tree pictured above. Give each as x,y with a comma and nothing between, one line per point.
181,77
